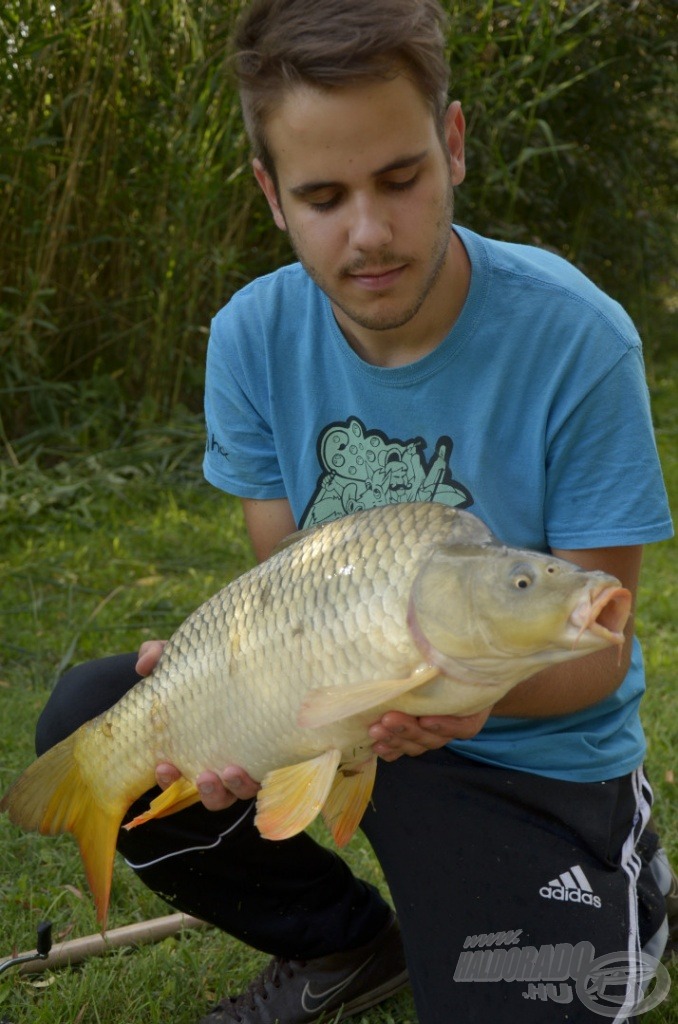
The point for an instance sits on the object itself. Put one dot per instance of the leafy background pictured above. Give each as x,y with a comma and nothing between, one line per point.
128,214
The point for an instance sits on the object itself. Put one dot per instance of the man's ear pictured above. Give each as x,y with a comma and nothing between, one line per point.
455,130
267,186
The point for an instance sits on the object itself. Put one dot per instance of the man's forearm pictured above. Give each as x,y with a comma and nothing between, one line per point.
567,687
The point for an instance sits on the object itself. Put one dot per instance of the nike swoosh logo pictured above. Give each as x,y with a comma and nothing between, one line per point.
314,1002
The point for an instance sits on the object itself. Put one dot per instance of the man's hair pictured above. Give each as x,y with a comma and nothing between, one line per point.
333,43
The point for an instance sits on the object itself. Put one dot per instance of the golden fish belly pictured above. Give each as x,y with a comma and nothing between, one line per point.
249,715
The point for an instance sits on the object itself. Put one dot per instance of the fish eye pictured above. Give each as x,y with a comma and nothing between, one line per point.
522,577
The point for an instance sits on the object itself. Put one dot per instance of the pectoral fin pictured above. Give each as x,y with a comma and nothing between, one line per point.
332,703
290,798
180,794
348,799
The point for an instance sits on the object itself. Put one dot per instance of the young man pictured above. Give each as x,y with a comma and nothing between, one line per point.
405,359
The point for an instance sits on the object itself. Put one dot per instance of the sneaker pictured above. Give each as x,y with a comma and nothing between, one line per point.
308,991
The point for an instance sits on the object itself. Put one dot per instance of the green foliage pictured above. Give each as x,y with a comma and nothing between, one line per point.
573,135
128,214
125,213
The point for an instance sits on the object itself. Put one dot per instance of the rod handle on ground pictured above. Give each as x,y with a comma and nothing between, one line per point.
76,950
43,947
44,938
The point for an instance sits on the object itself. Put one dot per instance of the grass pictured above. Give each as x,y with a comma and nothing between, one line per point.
106,546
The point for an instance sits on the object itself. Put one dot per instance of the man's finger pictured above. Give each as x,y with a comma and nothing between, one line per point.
239,782
166,774
149,655
213,793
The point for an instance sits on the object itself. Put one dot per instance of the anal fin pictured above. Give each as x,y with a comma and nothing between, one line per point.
176,797
290,798
348,800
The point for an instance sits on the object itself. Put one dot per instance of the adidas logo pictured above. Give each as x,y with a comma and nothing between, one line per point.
571,887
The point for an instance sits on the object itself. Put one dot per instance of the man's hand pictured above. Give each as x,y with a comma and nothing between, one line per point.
217,790
396,733
149,656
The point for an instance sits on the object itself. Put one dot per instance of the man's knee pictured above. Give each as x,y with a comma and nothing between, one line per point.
81,694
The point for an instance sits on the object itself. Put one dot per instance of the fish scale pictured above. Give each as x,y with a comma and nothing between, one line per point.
283,671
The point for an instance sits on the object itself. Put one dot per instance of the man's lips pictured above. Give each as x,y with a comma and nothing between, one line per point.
376,280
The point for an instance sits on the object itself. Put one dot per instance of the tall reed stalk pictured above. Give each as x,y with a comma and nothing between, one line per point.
128,214
125,216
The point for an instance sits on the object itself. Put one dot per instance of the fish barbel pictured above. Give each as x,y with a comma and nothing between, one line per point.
414,607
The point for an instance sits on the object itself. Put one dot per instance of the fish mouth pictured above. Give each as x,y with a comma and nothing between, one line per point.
603,614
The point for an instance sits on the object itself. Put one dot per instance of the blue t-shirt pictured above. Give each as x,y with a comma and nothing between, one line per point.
533,413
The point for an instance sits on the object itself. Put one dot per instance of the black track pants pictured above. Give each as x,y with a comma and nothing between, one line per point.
507,885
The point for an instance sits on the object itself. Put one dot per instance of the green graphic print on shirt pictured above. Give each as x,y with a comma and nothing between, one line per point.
363,468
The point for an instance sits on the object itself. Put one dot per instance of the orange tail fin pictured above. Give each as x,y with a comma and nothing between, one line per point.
52,797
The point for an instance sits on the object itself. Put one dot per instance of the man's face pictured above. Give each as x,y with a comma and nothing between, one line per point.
364,188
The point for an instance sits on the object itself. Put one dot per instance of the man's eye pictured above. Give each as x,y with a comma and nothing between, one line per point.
323,202
400,185
324,205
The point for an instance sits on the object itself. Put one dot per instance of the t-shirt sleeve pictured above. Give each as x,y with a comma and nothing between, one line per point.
240,455
604,485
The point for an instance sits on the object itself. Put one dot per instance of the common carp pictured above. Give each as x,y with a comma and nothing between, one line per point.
414,607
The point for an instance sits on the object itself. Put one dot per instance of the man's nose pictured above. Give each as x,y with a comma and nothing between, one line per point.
370,225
